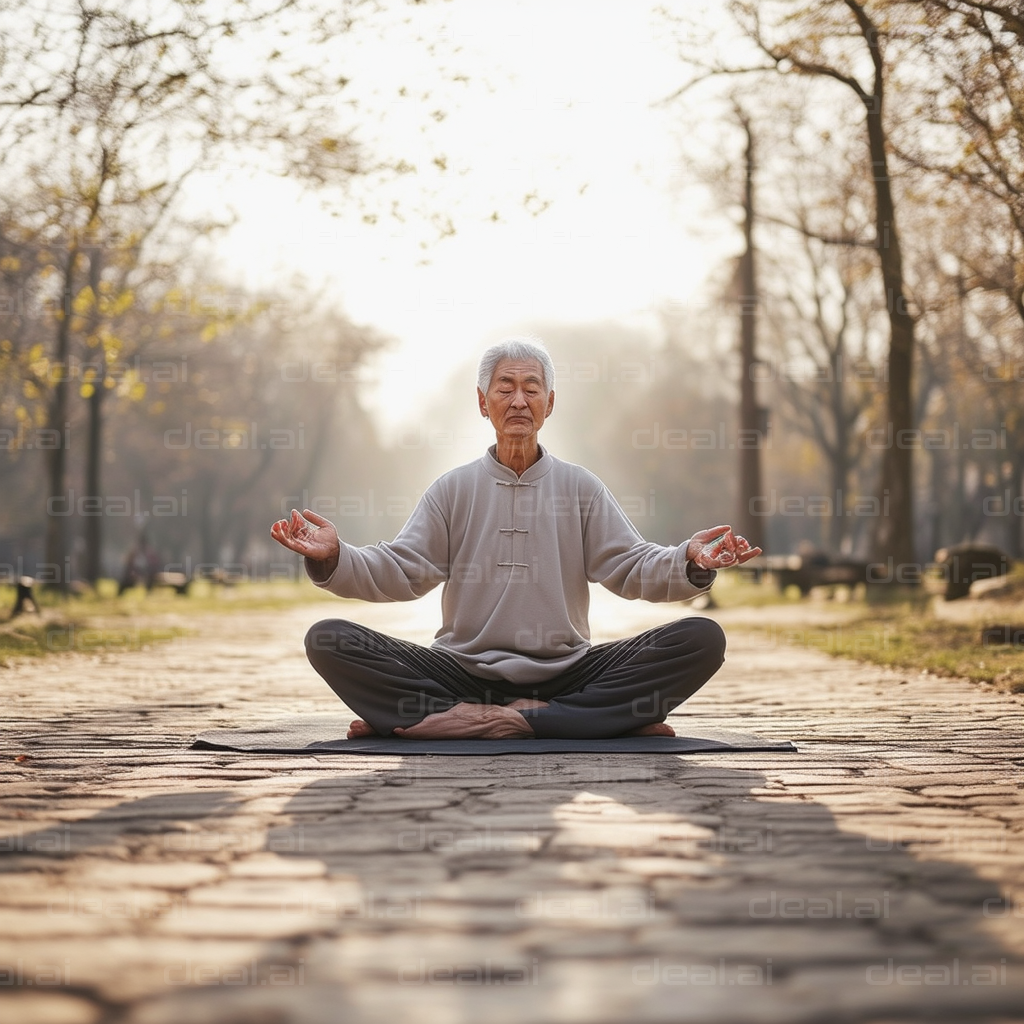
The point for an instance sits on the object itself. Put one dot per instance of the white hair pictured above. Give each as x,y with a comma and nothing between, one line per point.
519,347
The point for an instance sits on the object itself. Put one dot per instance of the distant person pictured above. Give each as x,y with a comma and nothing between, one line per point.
141,565
514,538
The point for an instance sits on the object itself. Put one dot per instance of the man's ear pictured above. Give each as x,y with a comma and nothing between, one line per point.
482,401
551,404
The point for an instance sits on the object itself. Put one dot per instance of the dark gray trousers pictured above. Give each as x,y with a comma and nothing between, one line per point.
614,688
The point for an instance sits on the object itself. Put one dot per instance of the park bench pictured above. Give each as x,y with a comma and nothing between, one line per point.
964,564
215,574
809,571
177,581
180,583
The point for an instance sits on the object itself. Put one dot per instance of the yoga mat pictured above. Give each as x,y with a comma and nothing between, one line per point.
324,734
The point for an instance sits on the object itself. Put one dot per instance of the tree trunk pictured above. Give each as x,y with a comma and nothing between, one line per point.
93,527
841,452
937,498
1015,512
56,549
751,526
958,532
894,529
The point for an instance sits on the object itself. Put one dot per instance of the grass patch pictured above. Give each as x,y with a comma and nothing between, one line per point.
894,626
907,638
32,639
203,597
98,621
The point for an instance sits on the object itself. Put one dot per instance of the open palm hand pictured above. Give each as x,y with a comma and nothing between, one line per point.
308,534
719,548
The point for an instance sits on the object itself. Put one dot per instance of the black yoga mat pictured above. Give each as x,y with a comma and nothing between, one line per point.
325,734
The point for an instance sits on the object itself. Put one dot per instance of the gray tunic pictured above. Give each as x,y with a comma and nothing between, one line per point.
515,555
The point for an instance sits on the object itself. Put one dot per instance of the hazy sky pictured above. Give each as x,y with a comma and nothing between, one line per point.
562,178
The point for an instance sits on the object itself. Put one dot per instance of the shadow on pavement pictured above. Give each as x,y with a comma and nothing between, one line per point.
551,889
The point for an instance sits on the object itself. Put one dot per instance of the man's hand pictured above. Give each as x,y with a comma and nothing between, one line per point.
719,548
312,536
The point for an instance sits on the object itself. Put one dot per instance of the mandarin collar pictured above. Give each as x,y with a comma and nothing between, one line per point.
540,468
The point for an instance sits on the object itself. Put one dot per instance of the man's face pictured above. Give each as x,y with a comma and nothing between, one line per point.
517,403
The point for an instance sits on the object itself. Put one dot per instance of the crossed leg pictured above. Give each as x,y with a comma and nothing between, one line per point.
629,687
460,721
624,688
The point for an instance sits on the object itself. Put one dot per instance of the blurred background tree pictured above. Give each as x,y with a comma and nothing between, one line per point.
930,421
135,375
108,109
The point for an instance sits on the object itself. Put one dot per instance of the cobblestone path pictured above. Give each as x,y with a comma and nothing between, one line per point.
876,875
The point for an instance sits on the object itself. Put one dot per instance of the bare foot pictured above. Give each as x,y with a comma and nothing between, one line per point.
470,721
654,729
359,730
523,703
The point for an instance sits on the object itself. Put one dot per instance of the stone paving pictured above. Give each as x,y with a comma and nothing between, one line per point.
877,875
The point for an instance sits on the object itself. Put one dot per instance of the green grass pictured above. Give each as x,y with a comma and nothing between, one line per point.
896,626
203,597
29,638
909,636
905,638
100,621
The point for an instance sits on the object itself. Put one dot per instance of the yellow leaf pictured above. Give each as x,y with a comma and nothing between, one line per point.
122,303
84,301
86,390
112,344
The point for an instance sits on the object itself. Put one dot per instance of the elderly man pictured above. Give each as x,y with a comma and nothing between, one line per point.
514,538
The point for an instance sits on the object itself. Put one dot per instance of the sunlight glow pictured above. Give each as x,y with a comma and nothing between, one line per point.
562,182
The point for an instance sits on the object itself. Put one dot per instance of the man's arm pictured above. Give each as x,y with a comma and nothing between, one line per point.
402,570
621,560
